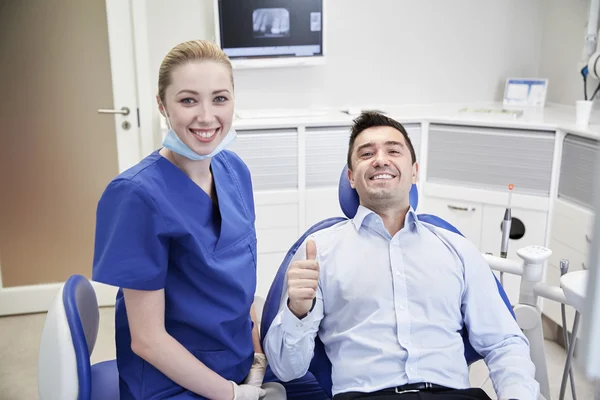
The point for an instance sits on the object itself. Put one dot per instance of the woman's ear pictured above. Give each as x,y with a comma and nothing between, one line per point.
160,106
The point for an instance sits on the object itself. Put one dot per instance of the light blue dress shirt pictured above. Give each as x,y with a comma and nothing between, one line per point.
390,311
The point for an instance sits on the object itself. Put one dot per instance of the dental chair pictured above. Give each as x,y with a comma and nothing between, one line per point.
316,384
68,340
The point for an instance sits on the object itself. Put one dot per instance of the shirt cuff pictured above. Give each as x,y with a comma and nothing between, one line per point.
516,392
294,327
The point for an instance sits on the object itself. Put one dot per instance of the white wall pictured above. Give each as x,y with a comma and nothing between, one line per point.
381,51
562,45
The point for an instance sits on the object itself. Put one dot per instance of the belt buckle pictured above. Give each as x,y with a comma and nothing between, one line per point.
406,391
427,386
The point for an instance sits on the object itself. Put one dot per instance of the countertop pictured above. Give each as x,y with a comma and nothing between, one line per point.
551,118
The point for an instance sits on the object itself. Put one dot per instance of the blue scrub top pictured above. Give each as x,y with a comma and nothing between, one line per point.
156,229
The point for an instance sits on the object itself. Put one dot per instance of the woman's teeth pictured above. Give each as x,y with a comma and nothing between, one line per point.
204,134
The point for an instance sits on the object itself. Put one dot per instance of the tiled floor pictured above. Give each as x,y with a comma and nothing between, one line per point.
20,337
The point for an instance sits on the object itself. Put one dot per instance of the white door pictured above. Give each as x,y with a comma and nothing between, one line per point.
63,61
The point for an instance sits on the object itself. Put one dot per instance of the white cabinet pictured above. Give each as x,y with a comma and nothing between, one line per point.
573,215
528,228
276,230
465,216
490,158
321,204
570,240
272,158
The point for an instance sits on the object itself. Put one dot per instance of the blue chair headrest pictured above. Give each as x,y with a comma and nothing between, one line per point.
349,198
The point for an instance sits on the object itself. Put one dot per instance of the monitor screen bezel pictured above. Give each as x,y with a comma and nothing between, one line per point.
270,61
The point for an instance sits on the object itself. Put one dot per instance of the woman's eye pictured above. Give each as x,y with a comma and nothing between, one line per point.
188,100
220,99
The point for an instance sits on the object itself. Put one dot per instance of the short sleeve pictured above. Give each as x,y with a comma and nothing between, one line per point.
131,242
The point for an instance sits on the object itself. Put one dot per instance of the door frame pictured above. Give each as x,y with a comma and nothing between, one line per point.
129,63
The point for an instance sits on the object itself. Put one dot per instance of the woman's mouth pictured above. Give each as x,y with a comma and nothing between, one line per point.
205,135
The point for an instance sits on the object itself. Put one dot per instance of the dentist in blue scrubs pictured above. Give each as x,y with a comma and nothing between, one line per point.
176,234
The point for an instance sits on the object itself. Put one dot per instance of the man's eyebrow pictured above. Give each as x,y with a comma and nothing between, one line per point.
362,146
394,143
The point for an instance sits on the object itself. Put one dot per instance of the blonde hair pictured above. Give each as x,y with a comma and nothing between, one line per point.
194,50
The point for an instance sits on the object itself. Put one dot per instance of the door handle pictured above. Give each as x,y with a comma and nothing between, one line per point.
461,208
122,111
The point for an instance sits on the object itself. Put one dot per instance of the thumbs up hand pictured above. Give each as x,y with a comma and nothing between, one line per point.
302,279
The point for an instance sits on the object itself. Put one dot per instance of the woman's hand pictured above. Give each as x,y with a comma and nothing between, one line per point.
257,371
247,392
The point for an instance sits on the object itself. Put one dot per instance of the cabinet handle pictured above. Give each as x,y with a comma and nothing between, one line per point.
587,238
583,265
457,208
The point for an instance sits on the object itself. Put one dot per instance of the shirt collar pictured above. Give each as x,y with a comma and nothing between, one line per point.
363,212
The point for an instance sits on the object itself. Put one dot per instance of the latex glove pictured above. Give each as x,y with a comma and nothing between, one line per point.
247,392
257,371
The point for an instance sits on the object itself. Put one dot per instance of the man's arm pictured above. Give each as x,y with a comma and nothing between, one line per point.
494,333
290,341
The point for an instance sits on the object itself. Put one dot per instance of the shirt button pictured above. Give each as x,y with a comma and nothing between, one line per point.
401,307
299,324
397,272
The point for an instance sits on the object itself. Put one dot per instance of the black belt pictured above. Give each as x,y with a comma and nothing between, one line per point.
415,387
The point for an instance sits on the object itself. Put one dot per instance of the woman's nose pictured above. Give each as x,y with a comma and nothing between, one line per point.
205,114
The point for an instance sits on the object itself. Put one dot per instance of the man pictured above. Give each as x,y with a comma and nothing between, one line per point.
389,295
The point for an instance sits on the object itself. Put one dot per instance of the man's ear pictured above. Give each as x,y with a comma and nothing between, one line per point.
415,172
351,178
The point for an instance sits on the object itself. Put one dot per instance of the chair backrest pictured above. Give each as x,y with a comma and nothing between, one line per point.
68,338
320,365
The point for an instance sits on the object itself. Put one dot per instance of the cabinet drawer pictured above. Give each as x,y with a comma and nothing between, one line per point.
276,239
269,216
321,204
572,225
490,158
267,267
465,216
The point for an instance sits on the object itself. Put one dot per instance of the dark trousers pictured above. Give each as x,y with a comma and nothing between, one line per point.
452,394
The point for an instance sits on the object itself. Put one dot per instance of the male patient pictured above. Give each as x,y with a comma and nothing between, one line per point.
389,294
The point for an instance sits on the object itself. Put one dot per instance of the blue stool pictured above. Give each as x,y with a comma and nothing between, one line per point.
316,384
68,340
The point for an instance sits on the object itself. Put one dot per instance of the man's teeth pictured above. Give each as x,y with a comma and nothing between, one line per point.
383,176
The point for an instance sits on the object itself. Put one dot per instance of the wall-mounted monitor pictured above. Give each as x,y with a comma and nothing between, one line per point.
270,33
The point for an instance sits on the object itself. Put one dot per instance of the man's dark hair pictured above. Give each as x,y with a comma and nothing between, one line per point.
369,119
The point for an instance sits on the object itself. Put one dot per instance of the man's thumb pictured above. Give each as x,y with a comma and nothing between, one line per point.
311,250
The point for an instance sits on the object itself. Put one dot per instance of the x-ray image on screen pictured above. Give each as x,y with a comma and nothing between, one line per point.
263,29
271,23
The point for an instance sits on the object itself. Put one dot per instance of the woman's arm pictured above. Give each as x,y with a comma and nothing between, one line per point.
255,331
150,341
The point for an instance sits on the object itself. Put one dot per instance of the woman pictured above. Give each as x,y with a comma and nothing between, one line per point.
176,234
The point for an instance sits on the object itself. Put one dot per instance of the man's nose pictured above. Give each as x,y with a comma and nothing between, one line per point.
380,159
